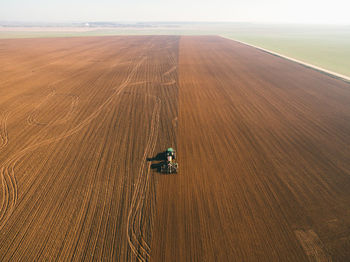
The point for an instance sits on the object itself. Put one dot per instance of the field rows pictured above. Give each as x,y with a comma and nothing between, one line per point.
75,135
263,147
264,155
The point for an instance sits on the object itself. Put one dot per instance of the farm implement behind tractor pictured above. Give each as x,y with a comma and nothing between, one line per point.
169,166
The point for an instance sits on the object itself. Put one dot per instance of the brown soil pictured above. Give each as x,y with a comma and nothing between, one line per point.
264,153
263,146
78,118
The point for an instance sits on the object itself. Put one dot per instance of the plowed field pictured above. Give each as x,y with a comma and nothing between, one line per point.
263,146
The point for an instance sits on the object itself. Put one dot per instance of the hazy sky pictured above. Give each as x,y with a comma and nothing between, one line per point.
300,11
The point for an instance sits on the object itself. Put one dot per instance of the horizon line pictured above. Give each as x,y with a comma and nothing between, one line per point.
168,21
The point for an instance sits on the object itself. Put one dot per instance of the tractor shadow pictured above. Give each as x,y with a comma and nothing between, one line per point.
157,161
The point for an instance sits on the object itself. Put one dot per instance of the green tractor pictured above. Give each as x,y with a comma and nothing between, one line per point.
169,166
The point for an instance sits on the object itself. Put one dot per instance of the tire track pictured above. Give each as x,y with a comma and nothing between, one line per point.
83,213
31,118
138,83
73,106
130,76
10,190
173,82
170,70
138,245
7,173
3,130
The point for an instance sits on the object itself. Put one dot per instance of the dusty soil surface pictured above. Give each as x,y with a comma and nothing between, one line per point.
79,118
264,156
263,146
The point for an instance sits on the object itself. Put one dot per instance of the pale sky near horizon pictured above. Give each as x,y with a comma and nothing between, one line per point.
285,11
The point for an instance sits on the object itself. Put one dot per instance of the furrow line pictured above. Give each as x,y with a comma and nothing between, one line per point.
142,250
4,217
3,130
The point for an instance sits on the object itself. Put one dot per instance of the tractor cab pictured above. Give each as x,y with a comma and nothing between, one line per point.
170,154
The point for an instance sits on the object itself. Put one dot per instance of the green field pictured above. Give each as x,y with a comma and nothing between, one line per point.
323,46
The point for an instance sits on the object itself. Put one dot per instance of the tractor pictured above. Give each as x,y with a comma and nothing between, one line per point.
169,166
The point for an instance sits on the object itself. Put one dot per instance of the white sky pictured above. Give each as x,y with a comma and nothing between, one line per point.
290,11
